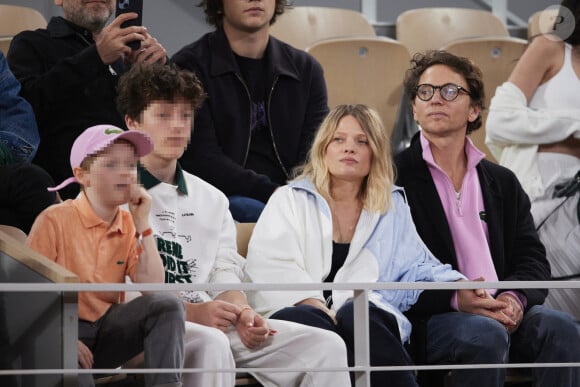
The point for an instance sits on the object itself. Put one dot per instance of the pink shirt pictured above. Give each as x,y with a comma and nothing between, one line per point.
462,209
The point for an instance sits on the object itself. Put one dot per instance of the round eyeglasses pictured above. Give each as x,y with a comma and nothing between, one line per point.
448,91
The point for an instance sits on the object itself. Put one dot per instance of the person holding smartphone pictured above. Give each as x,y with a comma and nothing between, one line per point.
69,73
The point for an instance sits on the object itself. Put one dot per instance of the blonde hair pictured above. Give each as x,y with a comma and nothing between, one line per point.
376,188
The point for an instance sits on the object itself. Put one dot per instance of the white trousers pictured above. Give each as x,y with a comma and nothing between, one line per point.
293,346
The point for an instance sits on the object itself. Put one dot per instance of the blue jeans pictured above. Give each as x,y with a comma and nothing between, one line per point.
245,209
18,130
386,347
545,335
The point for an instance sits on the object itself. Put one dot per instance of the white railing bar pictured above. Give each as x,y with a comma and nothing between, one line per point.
362,368
86,287
361,337
66,371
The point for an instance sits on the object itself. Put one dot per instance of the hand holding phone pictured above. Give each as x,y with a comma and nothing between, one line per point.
126,6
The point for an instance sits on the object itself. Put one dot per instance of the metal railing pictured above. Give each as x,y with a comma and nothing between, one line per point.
361,367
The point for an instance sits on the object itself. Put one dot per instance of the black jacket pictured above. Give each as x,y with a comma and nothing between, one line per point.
69,88
296,104
516,250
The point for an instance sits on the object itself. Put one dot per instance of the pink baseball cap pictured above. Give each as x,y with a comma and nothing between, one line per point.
96,139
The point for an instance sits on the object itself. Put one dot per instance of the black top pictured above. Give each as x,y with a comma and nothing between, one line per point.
24,195
339,253
69,88
261,156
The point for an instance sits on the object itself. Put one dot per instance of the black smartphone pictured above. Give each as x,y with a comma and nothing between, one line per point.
125,6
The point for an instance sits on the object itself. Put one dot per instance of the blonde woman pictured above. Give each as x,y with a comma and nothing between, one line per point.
343,220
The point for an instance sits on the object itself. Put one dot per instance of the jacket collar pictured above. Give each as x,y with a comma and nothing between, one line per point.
59,27
223,60
306,184
149,181
431,209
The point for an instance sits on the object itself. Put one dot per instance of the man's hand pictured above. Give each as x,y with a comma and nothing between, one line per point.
217,314
252,328
151,51
85,355
112,41
478,301
513,311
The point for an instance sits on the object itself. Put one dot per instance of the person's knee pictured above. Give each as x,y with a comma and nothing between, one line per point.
329,342
345,317
485,339
245,209
212,341
306,315
166,304
557,330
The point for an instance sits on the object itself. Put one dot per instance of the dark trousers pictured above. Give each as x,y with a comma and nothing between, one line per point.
152,323
386,347
544,336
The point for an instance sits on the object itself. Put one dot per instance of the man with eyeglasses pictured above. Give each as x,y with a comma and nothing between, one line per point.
474,215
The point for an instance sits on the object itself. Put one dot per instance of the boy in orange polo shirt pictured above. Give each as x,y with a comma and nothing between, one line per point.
102,243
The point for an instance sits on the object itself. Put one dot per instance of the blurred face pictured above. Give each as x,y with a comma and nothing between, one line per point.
168,123
248,15
89,14
349,155
439,117
111,174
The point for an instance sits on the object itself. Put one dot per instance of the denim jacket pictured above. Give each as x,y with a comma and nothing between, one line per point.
18,130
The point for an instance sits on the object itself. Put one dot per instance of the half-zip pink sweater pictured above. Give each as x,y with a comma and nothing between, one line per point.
462,209
465,214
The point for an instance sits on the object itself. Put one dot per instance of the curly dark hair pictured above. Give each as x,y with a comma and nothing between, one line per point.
145,83
214,11
463,66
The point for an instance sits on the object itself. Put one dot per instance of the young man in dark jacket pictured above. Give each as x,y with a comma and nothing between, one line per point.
265,101
474,215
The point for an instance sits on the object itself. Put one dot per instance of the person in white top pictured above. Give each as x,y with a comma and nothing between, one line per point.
533,128
196,238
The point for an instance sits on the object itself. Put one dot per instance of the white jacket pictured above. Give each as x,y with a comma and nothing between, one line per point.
292,242
514,131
